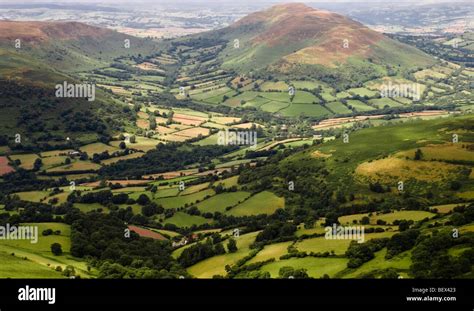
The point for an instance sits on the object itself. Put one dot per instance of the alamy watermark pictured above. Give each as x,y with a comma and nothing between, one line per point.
68,90
408,90
345,233
237,138
28,293
9,232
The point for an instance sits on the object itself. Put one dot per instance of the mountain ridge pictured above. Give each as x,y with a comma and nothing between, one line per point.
70,46
36,32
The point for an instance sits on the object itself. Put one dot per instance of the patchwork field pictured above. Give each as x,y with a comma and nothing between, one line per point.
316,267
146,155
261,203
389,218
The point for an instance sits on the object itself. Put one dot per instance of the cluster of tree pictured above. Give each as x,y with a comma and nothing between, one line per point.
292,273
36,104
401,242
212,246
358,253
23,180
262,153
303,184
114,74
107,198
133,70
378,187
84,122
249,271
51,232
431,259
98,157
28,212
276,232
204,41
102,197
462,215
251,223
118,252
167,157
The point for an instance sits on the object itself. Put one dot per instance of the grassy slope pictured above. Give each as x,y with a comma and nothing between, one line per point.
16,267
369,144
40,253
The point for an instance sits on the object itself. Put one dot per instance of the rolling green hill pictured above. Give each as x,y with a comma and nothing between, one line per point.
49,54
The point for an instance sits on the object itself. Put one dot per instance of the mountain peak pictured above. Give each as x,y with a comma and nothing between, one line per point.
296,6
285,37
294,23
281,12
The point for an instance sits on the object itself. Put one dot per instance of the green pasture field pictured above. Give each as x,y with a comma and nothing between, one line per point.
183,220
401,263
275,251
262,203
338,108
97,148
310,110
382,102
180,201
302,97
40,252
216,265
274,106
27,160
389,218
362,91
359,106
316,267
12,266
220,202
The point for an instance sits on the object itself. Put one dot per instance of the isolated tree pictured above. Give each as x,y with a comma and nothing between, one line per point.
403,225
232,246
143,199
152,123
418,154
151,209
37,165
455,185
289,272
84,156
69,271
56,249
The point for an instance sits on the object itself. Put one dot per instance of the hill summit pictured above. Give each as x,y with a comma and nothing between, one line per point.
285,37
